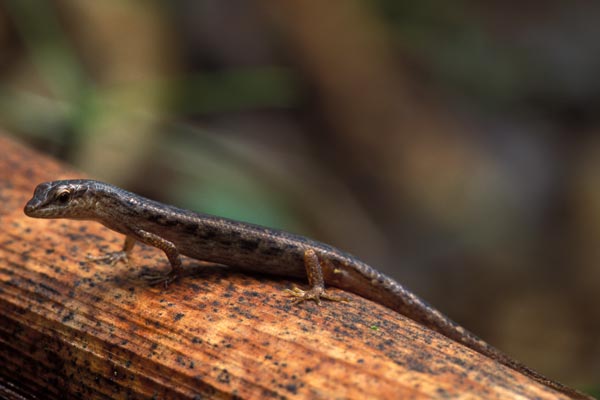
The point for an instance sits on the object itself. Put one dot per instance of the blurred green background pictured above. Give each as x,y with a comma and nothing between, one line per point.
453,145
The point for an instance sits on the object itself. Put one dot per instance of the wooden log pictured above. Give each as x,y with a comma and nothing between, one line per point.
75,328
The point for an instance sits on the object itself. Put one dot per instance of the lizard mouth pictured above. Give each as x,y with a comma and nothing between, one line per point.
36,209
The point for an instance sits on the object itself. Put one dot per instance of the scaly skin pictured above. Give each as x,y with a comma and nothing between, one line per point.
250,247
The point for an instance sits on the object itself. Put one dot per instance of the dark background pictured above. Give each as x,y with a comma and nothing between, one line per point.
453,145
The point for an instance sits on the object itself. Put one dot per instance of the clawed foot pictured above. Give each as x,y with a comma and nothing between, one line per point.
110,258
315,294
155,279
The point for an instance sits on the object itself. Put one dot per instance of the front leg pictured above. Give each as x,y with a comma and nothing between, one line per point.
171,252
317,289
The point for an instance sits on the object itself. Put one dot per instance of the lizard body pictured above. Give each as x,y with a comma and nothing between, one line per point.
249,247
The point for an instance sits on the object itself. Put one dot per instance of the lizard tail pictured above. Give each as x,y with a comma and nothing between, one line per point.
473,342
399,299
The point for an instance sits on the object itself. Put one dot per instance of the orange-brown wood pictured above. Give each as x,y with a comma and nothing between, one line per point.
71,327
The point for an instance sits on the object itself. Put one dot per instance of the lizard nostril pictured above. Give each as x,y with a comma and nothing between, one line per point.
32,206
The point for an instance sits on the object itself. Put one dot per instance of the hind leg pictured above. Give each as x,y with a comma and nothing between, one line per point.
317,289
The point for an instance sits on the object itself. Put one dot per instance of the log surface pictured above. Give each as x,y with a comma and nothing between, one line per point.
76,328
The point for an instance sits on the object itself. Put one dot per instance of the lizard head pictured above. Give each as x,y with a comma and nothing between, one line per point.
60,199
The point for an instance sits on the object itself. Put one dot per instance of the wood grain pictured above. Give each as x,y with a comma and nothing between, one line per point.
70,327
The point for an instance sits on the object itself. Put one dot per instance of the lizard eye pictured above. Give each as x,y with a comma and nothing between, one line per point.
63,196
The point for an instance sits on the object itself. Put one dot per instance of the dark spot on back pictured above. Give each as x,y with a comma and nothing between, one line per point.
291,247
273,251
170,222
190,227
248,245
153,217
207,232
